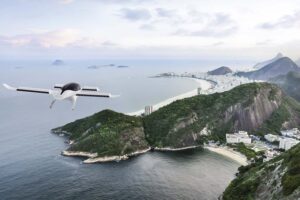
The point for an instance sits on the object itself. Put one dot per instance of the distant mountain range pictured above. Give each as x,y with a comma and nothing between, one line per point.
264,63
278,67
290,83
220,71
298,62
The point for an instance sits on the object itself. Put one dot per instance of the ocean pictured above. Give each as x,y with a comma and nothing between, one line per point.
31,166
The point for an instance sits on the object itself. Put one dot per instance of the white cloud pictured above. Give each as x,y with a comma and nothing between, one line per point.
57,38
286,21
212,25
66,1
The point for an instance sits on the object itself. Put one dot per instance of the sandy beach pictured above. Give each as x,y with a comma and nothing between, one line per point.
228,152
203,84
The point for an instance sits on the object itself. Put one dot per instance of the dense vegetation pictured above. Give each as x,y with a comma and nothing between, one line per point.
240,147
199,112
181,123
278,178
107,133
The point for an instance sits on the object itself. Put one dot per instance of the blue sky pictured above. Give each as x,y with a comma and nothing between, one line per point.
215,29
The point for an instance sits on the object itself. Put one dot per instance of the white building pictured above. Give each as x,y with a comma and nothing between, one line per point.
287,143
241,136
271,138
290,133
199,90
148,110
293,133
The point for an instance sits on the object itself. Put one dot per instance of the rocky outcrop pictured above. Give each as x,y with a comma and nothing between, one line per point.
252,116
220,71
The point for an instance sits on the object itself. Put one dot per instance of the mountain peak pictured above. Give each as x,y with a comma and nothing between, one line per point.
279,66
279,55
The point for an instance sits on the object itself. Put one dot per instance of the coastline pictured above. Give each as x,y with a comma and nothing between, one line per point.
93,157
175,149
203,84
228,152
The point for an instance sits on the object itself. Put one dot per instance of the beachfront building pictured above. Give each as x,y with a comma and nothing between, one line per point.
271,137
199,90
241,136
287,143
148,110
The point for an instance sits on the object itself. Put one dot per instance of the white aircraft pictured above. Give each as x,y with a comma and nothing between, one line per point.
68,91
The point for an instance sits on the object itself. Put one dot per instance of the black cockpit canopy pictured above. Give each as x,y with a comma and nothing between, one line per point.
70,86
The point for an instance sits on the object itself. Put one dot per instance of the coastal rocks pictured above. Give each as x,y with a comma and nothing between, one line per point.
79,154
175,149
93,157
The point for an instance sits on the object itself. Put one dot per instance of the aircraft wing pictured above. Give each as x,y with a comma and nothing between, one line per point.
83,93
28,89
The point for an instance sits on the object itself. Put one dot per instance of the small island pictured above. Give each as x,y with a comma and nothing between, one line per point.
122,66
58,62
100,66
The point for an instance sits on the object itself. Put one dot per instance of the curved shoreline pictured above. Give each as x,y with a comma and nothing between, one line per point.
203,84
93,157
229,153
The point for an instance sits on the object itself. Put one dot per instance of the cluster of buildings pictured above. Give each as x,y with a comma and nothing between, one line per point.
222,83
239,137
270,146
287,140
